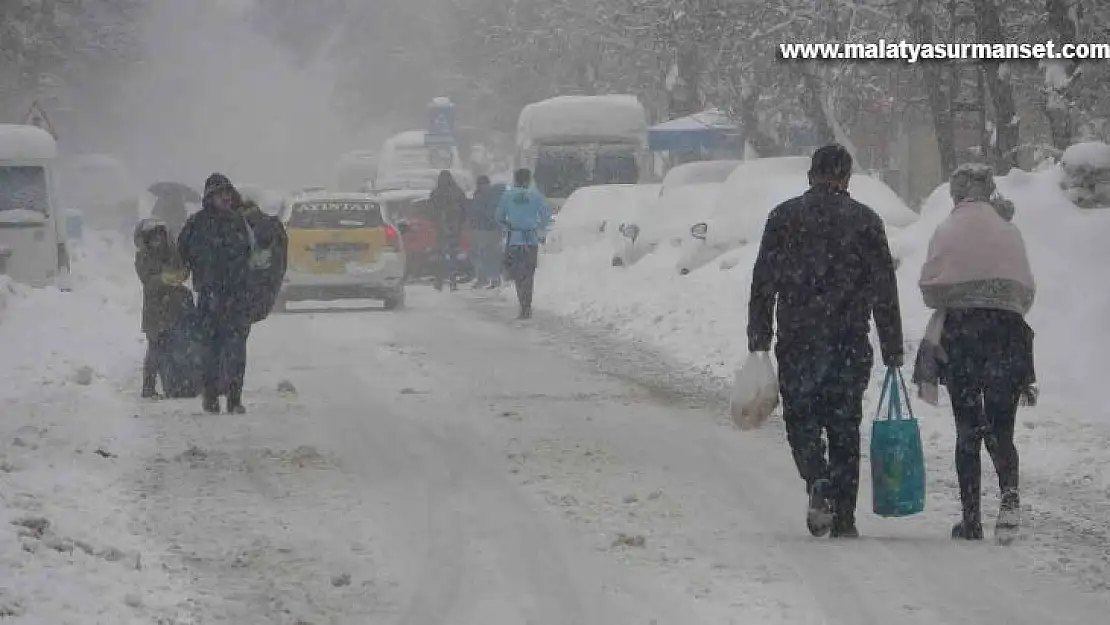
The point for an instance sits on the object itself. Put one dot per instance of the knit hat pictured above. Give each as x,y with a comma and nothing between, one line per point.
217,182
831,162
972,182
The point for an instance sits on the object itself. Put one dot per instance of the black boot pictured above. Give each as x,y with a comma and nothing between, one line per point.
967,530
844,526
148,391
1008,525
211,403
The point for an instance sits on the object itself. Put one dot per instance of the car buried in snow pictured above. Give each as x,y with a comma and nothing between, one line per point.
687,196
755,188
341,246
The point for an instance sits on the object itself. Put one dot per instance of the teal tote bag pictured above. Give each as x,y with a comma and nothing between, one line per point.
897,458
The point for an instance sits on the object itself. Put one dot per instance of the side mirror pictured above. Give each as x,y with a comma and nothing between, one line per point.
699,230
631,231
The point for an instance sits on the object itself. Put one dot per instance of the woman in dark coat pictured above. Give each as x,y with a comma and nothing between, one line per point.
448,203
164,296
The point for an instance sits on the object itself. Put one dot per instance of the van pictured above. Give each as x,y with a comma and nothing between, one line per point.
32,239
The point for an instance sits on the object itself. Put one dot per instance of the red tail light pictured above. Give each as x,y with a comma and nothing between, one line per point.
391,237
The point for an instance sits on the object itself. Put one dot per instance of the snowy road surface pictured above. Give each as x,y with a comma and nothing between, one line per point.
442,465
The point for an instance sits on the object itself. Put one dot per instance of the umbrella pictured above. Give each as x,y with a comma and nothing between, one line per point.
164,189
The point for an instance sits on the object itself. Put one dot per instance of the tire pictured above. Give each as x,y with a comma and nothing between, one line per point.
395,300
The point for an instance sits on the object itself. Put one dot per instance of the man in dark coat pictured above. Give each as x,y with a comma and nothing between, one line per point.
269,261
164,297
824,263
448,203
487,239
215,246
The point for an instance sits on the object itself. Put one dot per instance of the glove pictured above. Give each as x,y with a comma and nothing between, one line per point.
1030,395
894,361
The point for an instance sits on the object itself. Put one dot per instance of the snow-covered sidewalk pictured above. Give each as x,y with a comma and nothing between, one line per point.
68,438
700,320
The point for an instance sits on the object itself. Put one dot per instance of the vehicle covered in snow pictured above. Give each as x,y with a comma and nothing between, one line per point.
355,170
342,245
594,214
755,188
410,211
101,189
422,180
407,151
570,142
687,196
32,229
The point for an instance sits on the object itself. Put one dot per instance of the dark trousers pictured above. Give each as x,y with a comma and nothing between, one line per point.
224,360
822,398
989,364
446,265
522,261
156,348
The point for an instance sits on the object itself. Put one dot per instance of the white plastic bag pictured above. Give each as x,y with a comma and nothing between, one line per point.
755,391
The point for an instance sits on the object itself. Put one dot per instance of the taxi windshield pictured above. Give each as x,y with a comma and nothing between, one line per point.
335,215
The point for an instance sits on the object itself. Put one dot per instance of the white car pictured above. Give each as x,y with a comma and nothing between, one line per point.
755,188
591,214
687,196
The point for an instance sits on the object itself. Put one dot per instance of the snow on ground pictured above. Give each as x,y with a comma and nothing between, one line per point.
67,436
700,319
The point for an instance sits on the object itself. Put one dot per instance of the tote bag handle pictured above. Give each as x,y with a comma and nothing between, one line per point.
890,396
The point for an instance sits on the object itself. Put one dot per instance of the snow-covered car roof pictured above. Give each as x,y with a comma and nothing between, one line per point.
402,195
702,172
317,196
29,143
407,139
582,116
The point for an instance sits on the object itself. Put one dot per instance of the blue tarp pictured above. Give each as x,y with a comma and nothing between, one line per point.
708,130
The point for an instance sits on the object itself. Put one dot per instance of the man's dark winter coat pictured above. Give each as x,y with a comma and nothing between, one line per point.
449,206
272,243
482,213
162,302
215,246
825,262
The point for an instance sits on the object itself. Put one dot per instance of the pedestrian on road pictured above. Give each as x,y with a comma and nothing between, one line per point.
269,260
448,203
486,234
824,269
162,275
525,214
215,245
978,279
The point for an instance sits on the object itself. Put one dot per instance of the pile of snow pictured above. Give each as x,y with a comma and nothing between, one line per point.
701,172
69,446
701,319
1086,179
582,116
595,213
667,220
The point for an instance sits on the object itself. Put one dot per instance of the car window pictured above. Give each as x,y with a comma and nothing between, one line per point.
335,215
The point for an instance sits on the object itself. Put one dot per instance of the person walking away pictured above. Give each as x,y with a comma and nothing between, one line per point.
978,278
824,269
162,275
525,214
448,203
486,235
216,248
269,260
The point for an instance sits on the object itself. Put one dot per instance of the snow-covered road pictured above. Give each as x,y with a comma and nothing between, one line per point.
443,465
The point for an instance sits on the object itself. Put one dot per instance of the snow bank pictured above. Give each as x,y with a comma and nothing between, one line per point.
592,214
701,318
68,445
667,219
702,172
1086,179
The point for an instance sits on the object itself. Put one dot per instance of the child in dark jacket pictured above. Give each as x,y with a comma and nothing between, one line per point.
164,295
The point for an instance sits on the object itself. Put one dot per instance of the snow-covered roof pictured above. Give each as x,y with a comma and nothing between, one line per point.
26,143
325,196
402,195
582,116
406,139
701,172
712,119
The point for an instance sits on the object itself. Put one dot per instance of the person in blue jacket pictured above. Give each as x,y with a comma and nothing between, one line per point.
526,215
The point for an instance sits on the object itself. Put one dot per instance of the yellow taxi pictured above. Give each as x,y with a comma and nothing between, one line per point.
341,246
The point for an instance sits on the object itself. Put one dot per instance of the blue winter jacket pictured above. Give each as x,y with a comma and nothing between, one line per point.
525,214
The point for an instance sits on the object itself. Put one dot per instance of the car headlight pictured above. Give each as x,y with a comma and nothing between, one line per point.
698,231
630,231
